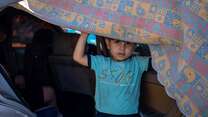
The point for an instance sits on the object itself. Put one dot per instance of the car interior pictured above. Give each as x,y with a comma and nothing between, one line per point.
72,86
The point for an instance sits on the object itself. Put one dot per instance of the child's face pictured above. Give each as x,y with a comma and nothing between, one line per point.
120,50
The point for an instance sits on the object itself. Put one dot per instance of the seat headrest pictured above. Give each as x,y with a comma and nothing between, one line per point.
64,43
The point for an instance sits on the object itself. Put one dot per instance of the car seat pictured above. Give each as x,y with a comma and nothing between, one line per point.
36,68
154,101
74,82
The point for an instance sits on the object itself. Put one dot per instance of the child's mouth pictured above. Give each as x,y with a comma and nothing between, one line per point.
121,54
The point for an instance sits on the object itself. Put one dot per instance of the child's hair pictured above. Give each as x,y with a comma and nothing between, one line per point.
101,45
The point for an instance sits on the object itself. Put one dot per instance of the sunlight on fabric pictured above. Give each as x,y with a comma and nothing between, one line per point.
68,30
25,4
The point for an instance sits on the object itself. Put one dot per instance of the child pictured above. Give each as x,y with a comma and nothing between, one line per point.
117,77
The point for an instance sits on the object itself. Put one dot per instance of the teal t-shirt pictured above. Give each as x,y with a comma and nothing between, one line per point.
118,84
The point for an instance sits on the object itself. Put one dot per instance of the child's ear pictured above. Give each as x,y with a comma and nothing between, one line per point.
107,41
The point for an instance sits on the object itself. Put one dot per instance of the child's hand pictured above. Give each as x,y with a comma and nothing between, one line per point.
83,35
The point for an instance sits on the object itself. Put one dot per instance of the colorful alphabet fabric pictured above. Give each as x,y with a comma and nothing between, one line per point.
176,31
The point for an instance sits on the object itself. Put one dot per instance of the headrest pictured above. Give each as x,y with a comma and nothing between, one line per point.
64,44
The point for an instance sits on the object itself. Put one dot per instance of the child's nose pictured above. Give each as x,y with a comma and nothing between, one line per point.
122,45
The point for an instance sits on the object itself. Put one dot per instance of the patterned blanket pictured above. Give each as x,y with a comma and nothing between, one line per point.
176,31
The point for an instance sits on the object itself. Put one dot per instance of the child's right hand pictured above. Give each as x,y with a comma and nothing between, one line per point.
84,35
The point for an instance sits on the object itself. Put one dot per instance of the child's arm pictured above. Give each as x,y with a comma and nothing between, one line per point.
79,55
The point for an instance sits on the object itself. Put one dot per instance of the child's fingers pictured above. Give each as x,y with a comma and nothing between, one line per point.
84,35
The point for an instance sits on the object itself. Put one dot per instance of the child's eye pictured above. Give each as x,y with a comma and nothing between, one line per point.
128,43
117,41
